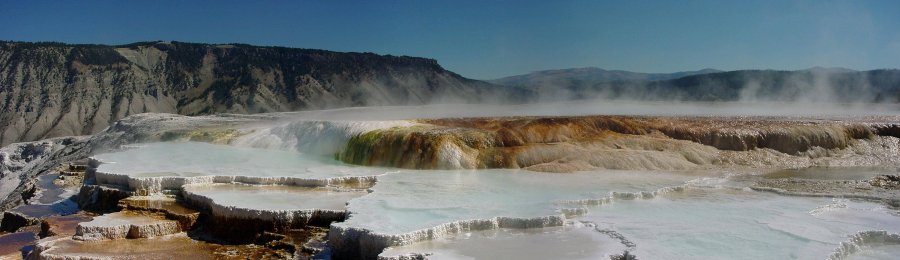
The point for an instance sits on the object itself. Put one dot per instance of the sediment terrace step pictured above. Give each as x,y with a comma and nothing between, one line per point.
176,246
240,212
122,225
168,206
565,144
101,197
864,240
62,225
358,243
575,241
70,173
169,166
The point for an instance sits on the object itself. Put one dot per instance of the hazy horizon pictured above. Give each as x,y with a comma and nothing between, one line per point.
489,40
503,76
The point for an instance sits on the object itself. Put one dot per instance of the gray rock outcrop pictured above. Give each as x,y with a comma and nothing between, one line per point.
54,89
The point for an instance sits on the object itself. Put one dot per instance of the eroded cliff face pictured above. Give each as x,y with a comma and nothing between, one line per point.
50,89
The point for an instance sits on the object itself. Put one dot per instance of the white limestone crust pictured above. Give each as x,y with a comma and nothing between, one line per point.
864,239
152,185
298,217
363,243
121,225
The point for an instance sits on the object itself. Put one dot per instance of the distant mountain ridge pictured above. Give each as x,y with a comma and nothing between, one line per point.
816,84
55,89
592,74
829,70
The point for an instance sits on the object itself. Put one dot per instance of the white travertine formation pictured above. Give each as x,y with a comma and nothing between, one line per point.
352,242
409,206
146,186
866,240
289,206
122,225
613,196
314,137
176,246
154,167
27,160
809,194
726,222
573,241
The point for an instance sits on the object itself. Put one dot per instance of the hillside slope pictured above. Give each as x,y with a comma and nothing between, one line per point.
54,89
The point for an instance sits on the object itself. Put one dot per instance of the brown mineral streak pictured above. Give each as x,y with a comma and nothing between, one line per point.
530,142
723,133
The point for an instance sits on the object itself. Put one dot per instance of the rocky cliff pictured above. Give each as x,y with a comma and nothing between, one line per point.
54,89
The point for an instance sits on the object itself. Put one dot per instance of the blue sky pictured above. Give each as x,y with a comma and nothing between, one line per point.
491,39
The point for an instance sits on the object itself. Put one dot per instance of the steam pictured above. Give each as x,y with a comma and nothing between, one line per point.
817,85
815,91
600,107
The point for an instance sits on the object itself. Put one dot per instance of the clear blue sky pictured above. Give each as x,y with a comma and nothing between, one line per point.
490,39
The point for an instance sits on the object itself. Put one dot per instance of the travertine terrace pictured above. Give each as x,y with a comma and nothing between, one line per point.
565,144
449,130
293,186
